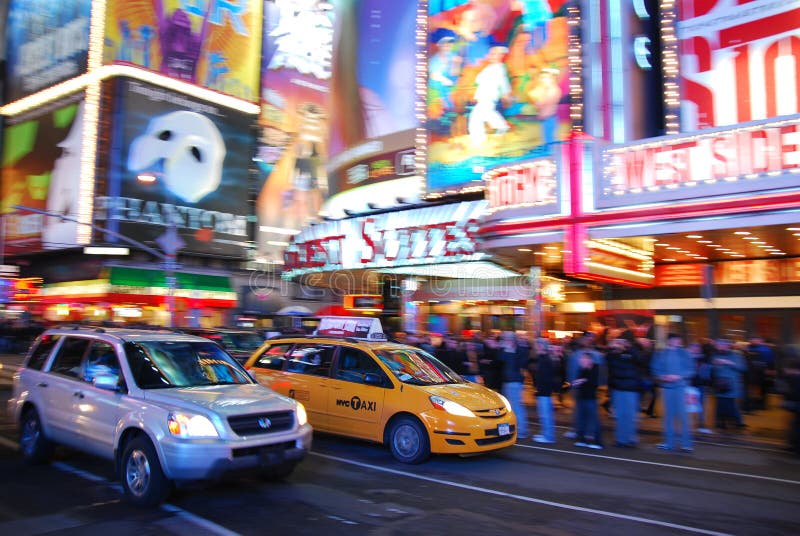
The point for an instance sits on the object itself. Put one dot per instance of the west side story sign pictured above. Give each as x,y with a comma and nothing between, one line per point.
759,156
444,233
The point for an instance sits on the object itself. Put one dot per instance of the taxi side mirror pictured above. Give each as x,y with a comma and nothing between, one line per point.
371,378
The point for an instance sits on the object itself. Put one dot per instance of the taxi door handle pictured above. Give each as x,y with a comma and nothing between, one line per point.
41,384
79,394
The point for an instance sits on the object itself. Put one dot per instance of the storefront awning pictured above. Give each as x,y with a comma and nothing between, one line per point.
139,277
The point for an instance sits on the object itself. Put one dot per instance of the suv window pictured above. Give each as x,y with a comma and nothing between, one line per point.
43,349
311,359
69,356
102,360
274,357
355,364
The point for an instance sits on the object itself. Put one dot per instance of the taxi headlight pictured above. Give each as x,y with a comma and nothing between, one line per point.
302,416
505,401
454,408
189,425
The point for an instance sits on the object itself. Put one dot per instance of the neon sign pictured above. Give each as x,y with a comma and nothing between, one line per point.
530,184
756,157
444,233
740,61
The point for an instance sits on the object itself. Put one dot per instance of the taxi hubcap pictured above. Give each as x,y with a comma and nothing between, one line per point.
137,472
406,440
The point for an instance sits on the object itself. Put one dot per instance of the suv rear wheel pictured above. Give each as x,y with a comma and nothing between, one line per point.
142,479
409,441
33,444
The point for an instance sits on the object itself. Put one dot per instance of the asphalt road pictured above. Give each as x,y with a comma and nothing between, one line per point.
351,487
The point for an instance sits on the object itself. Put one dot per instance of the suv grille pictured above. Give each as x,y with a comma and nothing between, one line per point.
262,423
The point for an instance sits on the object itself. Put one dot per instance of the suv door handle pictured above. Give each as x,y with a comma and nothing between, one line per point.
79,394
41,384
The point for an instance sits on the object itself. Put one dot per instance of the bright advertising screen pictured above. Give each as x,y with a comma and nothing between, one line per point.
497,86
47,43
739,61
372,115
296,74
41,170
211,43
178,163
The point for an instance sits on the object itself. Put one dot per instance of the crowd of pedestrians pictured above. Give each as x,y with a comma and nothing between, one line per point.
703,385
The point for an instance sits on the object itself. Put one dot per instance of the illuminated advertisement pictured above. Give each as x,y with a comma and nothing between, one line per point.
178,167
372,115
425,236
739,61
47,43
41,170
533,185
760,156
296,73
607,260
211,43
497,86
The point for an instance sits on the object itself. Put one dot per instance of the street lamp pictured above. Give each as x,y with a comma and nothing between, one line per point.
170,242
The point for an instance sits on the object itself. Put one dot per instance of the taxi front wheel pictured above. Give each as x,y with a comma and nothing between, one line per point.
409,441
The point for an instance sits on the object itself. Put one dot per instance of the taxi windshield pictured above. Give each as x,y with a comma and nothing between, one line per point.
163,364
244,341
416,367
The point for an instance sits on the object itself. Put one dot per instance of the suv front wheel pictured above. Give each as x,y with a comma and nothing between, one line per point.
33,444
142,479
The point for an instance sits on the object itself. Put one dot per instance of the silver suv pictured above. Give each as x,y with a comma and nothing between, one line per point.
165,407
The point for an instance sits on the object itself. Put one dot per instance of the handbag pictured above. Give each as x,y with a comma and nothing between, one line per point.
692,397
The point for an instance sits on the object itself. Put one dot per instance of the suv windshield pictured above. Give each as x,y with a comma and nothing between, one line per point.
416,367
161,364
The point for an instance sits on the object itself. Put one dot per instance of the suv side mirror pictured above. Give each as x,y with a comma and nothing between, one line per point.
370,378
109,382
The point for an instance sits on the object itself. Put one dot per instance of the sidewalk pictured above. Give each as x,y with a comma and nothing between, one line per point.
768,426
9,363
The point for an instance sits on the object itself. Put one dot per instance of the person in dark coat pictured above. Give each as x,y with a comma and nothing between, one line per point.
544,379
588,432
624,380
490,366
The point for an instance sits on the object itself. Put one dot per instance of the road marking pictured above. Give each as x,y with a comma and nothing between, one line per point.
524,498
166,507
197,520
661,464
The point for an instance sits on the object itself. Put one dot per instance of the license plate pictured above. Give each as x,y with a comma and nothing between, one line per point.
503,429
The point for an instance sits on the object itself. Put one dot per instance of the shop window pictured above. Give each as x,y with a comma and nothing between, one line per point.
732,326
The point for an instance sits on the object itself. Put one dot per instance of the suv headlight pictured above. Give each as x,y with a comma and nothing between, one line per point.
454,408
188,425
302,416
505,401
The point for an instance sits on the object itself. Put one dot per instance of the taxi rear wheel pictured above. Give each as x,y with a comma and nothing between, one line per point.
409,441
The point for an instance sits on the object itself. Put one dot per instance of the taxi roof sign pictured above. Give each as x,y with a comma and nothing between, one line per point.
351,326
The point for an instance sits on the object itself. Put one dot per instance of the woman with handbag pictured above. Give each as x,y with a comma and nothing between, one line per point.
727,383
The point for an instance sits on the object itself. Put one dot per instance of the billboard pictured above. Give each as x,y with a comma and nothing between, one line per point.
47,43
211,43
497,86
41,169
177,163
372,98
739,61
296,73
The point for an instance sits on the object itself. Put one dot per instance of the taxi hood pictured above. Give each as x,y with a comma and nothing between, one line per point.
224,400
470,395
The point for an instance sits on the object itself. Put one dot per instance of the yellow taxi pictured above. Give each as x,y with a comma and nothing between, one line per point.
353,382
